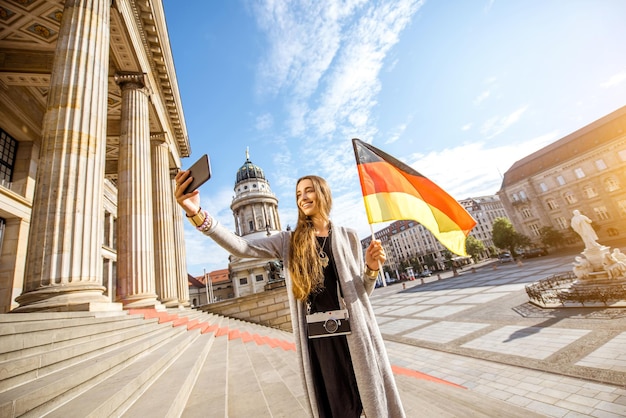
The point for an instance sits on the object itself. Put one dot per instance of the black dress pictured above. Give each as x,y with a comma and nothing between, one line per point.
331,364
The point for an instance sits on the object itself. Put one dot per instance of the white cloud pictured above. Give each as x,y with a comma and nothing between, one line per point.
397,133
497,125
481,97
473,170
303,39
352,83
614,80
264,122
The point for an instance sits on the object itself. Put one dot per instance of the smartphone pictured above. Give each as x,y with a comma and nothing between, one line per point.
201,172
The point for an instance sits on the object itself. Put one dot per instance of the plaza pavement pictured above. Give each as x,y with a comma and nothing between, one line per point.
478,330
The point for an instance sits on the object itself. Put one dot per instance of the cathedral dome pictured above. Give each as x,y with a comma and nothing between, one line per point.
249,171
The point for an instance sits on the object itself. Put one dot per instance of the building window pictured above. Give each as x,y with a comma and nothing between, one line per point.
534,229
579,173
622,208
561,222
8,150
522,194
589,192
110,230
243,281
543,187
551,203
259,277
251,225
600,165
601,213
613,232
570,198
526,212
611,184
560,180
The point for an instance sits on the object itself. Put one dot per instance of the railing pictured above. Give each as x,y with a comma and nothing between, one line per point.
558,290
521,201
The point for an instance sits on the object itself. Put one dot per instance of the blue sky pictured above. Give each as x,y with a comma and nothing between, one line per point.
458,89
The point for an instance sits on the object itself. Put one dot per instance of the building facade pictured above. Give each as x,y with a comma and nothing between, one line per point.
255,209
408,240
212,287
585,170
91,131
484,210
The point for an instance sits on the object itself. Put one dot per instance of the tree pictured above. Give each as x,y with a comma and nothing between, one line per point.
503,233
415,263
506,237
429,260
474,247
522,240
550,237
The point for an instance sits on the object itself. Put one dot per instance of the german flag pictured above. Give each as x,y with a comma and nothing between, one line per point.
394,191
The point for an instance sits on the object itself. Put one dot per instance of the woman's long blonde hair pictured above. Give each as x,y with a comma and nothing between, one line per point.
305,267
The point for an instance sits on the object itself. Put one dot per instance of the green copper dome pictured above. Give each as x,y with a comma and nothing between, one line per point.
249,171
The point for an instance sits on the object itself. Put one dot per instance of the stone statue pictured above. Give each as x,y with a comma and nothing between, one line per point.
582,267
618,255
613,267
582,225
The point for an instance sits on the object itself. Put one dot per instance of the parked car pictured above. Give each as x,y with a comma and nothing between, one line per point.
392,280
505,258
425,273
535,252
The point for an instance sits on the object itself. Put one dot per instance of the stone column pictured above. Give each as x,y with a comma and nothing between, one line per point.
182,282
164,246
64,265
13,262
135,237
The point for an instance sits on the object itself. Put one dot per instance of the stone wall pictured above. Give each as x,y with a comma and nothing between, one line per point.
269,308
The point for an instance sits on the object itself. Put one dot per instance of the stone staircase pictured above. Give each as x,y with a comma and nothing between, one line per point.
177,363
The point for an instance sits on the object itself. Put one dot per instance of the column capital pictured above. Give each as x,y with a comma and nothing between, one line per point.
132,80
158,138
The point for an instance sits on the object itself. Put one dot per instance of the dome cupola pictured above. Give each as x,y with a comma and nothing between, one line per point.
249,171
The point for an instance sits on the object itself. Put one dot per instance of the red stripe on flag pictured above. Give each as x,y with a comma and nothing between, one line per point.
383,177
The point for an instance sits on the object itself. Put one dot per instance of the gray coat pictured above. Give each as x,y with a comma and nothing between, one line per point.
374,377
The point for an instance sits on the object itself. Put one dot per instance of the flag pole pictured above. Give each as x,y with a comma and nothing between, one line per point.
380,266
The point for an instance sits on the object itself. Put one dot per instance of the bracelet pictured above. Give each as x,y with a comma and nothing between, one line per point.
198,218
370,273
206,223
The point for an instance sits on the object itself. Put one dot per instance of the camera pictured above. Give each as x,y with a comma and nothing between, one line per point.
328,324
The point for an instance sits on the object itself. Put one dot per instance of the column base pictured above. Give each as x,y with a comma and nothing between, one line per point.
85,298
170,303
143,302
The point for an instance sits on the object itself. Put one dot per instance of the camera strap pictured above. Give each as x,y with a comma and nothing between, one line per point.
342,302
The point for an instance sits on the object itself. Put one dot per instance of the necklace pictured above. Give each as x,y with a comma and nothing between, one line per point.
323,256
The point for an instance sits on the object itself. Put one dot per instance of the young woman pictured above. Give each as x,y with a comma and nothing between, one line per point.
346,373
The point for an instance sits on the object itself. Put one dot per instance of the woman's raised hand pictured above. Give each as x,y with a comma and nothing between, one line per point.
190,202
